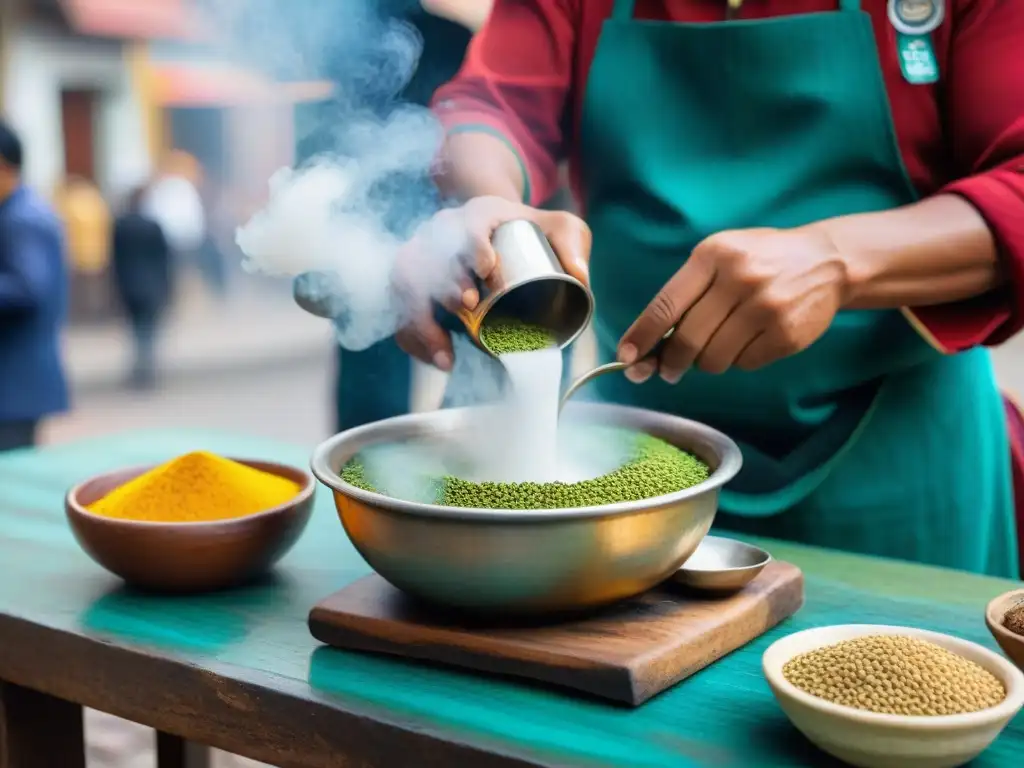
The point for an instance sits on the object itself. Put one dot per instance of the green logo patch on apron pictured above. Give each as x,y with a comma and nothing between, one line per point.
917,59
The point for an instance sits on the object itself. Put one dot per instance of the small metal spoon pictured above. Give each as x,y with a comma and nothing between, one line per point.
601,370
722,565
587,377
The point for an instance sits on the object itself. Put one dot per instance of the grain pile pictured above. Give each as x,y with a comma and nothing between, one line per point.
194,488
654,468
1014,620
895,675
502,337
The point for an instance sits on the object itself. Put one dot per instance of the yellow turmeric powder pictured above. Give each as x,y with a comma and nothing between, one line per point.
196,487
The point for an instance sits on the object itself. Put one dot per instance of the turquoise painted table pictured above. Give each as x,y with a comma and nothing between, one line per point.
239,670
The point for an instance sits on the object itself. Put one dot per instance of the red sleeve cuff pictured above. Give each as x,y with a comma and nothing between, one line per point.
995,317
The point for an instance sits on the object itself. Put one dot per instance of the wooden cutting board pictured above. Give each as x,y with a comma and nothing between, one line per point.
627,653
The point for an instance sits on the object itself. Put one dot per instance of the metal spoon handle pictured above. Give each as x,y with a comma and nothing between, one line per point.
592,374
587,377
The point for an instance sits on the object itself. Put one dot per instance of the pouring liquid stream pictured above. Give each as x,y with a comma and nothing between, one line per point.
529,445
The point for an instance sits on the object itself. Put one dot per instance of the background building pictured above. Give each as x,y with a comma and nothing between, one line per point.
103,90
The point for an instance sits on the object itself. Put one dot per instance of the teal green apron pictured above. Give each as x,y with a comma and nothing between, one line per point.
870,440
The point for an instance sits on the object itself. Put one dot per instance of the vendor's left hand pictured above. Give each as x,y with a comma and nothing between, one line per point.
744,298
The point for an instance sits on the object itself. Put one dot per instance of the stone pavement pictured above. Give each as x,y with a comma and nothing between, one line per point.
257,326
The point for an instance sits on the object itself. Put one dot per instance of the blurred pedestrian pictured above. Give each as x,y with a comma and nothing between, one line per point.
142,274
86,218
174,202
33,302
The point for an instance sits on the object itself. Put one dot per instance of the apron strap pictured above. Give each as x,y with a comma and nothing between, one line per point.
623,9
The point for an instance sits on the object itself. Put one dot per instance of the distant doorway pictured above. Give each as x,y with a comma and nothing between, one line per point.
79,108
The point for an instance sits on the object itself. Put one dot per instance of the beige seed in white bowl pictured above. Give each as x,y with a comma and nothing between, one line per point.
881,692
895,675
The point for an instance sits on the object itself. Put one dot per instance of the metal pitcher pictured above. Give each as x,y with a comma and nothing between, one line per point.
529,285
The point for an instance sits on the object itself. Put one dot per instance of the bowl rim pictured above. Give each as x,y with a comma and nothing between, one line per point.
730,465
995,623
1008,674
306,492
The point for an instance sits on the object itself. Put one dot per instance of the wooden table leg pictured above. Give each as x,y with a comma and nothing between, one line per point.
176,752
37,730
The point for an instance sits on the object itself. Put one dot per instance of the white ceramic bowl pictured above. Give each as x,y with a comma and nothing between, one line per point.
874,740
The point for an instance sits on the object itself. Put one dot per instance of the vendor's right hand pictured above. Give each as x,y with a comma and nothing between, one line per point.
437,264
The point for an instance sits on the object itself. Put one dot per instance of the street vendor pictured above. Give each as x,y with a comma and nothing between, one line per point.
822,199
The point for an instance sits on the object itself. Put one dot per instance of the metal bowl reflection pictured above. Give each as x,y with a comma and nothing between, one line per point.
527,562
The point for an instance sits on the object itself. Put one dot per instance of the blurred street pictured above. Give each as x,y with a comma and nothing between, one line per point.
254,363
286,399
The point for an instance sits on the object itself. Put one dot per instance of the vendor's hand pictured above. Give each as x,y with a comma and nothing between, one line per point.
438,262
744,298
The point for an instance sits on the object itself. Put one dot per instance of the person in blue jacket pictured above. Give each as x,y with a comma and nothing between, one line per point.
33,301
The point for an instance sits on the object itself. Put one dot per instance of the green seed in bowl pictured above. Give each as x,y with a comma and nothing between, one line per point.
653,468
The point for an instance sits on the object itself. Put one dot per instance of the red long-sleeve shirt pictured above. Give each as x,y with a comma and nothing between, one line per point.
526,71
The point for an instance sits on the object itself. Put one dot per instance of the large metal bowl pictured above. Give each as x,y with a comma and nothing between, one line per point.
527,562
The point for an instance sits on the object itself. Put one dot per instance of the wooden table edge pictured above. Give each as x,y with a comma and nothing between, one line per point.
249,717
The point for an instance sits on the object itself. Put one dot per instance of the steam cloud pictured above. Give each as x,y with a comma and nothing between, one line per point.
340,218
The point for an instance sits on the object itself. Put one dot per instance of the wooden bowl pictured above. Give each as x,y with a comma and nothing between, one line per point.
1012,644
876,740
188,557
